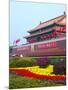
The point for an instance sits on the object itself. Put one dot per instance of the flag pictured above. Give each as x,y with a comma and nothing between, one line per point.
17,41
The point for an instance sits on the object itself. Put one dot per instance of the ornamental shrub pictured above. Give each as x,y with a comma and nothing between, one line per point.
60,67
42,62
22,62
55,59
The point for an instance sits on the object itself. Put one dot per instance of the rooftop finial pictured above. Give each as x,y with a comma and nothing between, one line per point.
40,22
64,13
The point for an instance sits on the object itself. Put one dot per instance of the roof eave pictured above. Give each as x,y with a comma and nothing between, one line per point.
45,22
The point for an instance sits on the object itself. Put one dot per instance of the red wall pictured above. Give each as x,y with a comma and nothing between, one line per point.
54,48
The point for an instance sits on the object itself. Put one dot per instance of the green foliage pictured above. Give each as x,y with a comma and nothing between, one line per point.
22,62
31,61
16,82
55,59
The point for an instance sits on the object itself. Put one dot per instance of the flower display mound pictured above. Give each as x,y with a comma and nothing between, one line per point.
60,67
36,72
27,73
42,62
41,71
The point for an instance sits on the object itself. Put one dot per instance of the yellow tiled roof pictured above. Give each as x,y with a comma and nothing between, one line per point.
46,23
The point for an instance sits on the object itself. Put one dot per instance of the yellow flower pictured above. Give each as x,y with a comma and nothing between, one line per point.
41,71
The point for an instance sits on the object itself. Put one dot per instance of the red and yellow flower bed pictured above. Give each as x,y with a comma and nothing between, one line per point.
27,73
36,72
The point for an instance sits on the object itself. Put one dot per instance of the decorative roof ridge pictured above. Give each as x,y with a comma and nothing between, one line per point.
48,21
52,19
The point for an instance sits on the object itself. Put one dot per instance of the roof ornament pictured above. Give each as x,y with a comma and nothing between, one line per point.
64,13
40,22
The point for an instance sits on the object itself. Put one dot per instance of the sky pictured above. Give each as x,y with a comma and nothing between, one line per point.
26,15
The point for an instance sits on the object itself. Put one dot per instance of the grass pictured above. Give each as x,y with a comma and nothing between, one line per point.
16,82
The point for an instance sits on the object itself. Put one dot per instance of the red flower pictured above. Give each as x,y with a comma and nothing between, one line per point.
27,73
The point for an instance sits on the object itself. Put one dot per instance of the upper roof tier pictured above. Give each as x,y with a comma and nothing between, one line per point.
60,20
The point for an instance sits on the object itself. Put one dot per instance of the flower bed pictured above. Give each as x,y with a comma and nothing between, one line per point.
37,70
27,73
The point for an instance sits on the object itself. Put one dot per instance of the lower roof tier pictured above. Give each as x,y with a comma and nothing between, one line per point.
45,37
